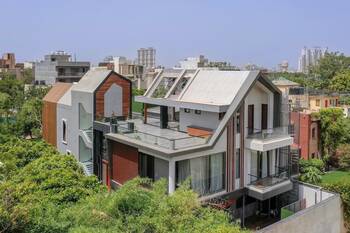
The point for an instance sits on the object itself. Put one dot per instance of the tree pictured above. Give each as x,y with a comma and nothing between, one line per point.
343,153
341,81
143,206
29,117
333,129
330,64
31,200
5,106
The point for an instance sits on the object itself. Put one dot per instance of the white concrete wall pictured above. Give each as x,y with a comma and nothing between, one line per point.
324,217
86,99
65,112
312,195
46,71
205,119
113,104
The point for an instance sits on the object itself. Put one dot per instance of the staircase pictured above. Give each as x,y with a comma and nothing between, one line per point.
88,167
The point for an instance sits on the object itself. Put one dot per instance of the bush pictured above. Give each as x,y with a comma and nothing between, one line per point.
311,175
317,163
343,155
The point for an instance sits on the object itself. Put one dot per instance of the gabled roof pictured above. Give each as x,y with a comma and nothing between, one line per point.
281,81
56,92
91,80
66,99
208,90
215,87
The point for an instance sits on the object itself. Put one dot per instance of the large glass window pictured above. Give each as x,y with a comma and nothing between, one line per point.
207,173
64,131
85,118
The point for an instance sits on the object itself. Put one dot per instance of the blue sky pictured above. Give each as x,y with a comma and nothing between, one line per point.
264,32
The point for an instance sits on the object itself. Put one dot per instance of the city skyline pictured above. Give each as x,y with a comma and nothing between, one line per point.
230,35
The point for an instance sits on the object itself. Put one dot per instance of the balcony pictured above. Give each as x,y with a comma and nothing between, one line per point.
268,139
270,186
155,136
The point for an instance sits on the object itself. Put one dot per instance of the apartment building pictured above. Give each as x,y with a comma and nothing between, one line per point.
147,57
70,111
59,67
312,100
221,129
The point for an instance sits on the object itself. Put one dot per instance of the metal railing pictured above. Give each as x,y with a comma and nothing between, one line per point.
269,133
293,208
128,129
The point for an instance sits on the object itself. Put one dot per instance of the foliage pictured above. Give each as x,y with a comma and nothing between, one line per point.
136,91
343,153
15,153
5,105
14,88
301,78
317,163
32,198
333,129
311,175
28,76
160,92
142,206
341,81
29,117
328,66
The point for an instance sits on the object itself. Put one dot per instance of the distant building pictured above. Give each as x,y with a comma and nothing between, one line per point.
58,67
127,68
146,57
309,58
283,67
202,62
284,84
8,61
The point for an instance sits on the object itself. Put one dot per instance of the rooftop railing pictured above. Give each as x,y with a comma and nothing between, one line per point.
269,133
128,129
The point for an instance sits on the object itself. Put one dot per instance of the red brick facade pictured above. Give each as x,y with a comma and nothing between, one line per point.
307,134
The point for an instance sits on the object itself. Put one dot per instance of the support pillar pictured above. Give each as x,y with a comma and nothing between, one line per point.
145,113
171,183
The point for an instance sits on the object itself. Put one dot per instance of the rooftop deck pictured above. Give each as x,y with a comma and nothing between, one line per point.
151,133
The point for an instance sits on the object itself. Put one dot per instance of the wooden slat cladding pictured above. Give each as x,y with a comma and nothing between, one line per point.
241,120
124,162
230,167
113,78
49,119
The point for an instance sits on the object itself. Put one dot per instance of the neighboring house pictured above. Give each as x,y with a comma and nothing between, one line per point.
306,135
49,113
221,129
100,94
303,98
284,84
58,67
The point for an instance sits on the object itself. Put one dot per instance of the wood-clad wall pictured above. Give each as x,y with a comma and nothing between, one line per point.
49,119
126,88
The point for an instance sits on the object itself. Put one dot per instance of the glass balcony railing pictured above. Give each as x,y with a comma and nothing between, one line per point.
269,133
271,180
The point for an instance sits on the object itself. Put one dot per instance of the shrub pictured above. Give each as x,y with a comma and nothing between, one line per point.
311,175
317,163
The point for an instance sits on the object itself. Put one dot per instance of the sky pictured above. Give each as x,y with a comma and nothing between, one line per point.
262,32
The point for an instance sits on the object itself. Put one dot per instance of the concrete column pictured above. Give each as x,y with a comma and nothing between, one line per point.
171,184
145,113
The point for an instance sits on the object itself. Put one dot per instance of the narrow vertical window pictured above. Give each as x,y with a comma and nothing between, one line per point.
64,131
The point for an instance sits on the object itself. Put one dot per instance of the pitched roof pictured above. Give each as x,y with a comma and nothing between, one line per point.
91,80
215,87
56,92
281,81
66,99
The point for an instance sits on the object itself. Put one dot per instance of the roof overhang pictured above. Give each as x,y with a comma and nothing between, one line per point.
268,144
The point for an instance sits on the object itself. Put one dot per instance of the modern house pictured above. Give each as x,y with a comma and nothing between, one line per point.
220,129
284,84
99,95
59,67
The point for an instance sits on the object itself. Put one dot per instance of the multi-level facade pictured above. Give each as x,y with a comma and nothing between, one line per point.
58,67
220,129
147,57
70,111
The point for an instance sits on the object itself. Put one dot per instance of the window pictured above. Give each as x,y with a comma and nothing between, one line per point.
64,131
318,103
313,133
238,163
146,166
238,124
68,152
207,173
221,115
187,110
197,112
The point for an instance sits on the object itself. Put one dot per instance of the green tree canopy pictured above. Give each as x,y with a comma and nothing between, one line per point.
341,81
29,117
